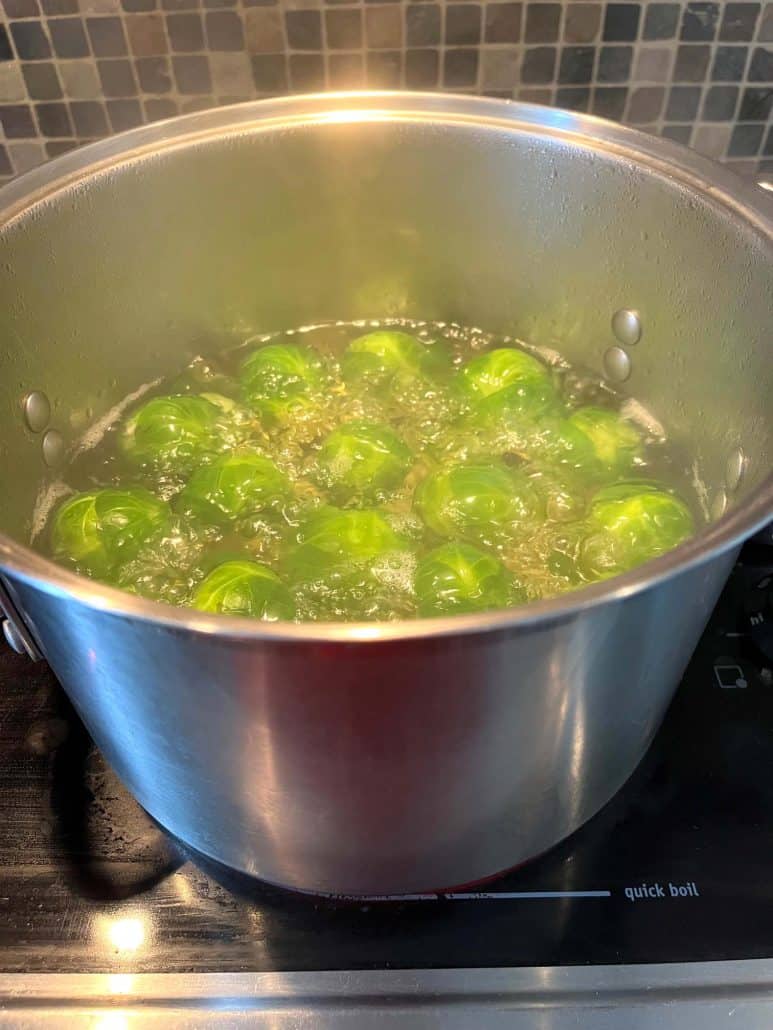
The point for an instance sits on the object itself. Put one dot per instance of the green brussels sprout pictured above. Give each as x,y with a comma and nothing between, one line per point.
279,378
351,565
629,523
331,537
244,588
362,460
389,356
456,577
99,528
233,486
475,500
523,402
173,434
497,369
167,565
616,443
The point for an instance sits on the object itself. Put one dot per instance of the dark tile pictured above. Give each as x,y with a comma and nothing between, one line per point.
575,98
503,23
6,51
678,133
614,64
421,69
699,22
57,147
645,104
683,103
117,78
621,22
89,117
107,38
542,22
304,30
610,101
42,81
576,64
539,64
345,71
156,110
269,73
124,114
186,32
54,8
219,3
307,72
154,74
263,31
17,121
761,66
383,27
745,141
768,148
765,31
343,29
192,74
661,21
383,69
582,23
68,37
180,5
729,63
756,104
21,8
53,119
139,6
147,37
535,95
463,24
422,25
31,41
192,104
224,30
720,103
5,162
739,22
460,67
692,63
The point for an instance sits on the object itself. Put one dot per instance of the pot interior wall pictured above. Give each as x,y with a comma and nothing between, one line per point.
114,281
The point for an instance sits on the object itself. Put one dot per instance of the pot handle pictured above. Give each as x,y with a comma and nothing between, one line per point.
15,632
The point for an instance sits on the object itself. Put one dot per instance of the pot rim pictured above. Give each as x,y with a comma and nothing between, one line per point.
665,158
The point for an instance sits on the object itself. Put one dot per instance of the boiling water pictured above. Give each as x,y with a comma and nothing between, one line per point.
539,554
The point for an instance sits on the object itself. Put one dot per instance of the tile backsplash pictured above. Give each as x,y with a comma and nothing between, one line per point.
72,71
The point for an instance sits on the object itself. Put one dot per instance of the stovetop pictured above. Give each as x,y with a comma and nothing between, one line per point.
676,868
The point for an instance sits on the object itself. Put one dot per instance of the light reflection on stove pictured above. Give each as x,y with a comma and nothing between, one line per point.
111,1021
127,934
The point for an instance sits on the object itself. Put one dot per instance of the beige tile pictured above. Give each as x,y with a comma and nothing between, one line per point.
500,68
653,64
11,82
231,74
100,6
263,31
26,155
711,140
80,80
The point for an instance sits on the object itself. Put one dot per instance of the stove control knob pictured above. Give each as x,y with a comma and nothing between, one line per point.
759,615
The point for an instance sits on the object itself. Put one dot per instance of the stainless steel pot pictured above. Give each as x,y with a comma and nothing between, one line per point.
409,756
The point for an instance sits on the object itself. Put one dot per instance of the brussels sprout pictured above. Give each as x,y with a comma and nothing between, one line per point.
496,369
628,524
331,538
362,460
456,578
616,443
233,486
475,500
244,588
167,564
275,376
99,528
173,434
389,356
523,402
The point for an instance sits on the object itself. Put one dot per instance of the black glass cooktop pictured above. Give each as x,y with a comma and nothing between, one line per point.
678,867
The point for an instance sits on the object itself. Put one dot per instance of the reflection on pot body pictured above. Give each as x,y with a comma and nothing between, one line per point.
402,757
